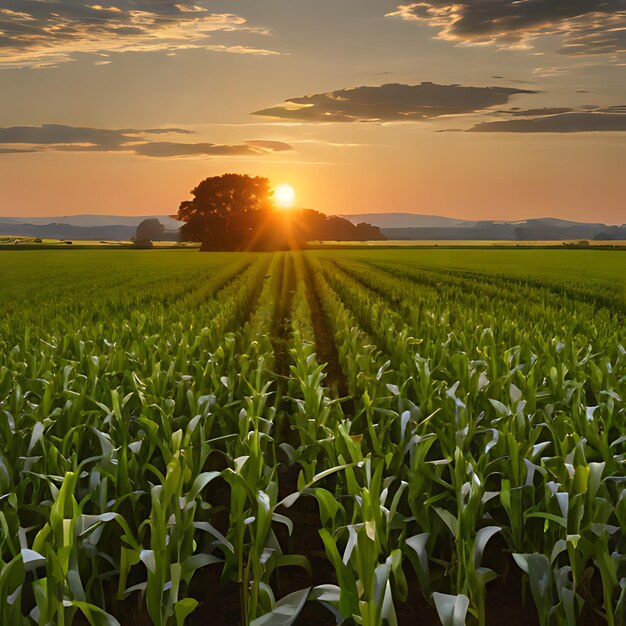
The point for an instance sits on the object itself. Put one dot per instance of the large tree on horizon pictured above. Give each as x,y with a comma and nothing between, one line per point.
226,211
236,212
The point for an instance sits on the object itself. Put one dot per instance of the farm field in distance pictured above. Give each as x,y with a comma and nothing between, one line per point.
430,436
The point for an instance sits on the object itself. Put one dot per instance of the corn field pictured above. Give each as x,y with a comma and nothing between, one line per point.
321,437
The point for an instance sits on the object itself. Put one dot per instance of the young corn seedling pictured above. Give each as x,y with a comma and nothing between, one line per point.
370,566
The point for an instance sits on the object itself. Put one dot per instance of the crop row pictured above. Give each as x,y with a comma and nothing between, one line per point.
184,434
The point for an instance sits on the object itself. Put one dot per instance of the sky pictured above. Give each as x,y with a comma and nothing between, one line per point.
476,109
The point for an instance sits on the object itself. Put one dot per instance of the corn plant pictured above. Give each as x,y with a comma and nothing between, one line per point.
449,412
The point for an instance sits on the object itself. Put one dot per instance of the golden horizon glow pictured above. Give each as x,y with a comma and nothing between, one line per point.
349,140
284,196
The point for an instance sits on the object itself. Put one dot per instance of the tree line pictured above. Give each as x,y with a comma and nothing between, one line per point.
236,212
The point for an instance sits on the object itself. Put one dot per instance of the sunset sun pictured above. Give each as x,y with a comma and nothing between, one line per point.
284,196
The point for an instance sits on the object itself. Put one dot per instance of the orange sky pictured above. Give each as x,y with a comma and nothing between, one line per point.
360,105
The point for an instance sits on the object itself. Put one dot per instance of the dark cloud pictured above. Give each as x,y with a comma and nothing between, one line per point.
61,138
587,26
391,102
40,33
570,122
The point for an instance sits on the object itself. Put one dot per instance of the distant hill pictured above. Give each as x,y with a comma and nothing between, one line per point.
406,220
93,220
430,227
393,226
84,227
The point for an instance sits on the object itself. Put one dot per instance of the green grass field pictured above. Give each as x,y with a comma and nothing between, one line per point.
428,436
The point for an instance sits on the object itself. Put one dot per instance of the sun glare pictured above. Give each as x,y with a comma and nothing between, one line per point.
284,196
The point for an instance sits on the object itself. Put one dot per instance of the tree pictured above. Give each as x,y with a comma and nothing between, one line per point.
235,212
149,230
226,211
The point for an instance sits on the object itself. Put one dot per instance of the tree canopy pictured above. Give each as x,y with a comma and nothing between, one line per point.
149,229
236,212
225,211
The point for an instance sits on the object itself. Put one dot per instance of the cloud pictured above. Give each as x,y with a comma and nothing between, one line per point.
55,134
586,26
61,138
248,148
15,150
537,112
34,33
391,103
600,120
273,146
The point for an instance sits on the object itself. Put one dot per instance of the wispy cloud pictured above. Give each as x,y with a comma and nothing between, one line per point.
391,103
61,138
171,149
34,33
567,122
586,26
